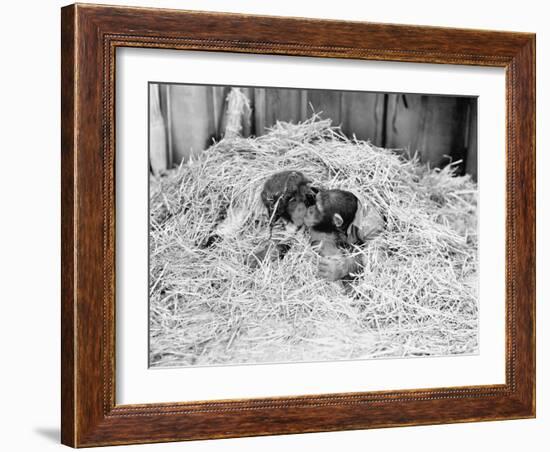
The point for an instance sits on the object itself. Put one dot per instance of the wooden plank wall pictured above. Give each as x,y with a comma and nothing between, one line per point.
439,128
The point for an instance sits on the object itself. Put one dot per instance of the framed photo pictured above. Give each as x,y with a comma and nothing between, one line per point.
281,225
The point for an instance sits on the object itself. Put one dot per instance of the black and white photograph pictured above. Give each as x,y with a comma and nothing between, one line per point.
304,225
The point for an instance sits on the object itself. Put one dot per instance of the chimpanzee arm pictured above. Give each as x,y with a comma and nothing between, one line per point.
335,268
230,223
279,243
354,264
372,224
267,250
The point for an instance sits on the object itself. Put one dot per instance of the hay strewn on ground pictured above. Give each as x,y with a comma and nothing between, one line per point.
418,293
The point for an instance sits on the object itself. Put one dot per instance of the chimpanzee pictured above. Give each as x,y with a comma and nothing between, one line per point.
339,221
286,196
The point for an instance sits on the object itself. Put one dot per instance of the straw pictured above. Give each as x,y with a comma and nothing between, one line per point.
417,295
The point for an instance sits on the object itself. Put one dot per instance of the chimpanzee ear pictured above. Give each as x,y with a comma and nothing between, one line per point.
337,220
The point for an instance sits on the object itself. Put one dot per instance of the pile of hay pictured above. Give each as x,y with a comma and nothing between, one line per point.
418,293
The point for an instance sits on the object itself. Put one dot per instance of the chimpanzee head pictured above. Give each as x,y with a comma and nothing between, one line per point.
287,195
333,211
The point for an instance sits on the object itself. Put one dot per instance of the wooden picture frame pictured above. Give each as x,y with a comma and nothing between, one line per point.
90,36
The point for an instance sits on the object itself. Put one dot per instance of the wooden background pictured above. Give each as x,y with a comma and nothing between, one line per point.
186,118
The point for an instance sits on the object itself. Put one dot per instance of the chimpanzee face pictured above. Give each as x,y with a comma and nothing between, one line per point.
287,195
297,211
314,213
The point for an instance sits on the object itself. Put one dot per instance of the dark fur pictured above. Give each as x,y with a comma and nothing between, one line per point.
283,191
333,202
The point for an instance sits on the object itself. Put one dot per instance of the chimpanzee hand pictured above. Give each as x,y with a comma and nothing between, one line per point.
334,268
